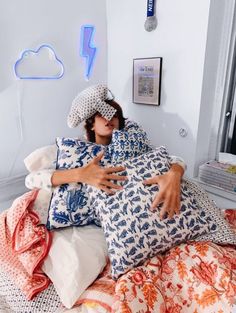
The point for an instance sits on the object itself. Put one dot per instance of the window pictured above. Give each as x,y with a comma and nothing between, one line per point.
226,141
228,138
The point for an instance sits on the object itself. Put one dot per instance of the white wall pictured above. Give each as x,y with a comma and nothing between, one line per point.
180,38
42,106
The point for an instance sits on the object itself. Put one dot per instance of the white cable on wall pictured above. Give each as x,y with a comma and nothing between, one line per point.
20,121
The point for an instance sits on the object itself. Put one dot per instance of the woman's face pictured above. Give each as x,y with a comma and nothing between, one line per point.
103,129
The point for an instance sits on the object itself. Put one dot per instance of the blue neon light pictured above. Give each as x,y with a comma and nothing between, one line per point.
29,52
88,51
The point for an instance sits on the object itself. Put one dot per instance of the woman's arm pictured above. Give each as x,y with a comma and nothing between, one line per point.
169,190
92,174
39,180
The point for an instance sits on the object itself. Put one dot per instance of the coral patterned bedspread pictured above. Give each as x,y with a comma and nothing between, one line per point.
194,277
24,244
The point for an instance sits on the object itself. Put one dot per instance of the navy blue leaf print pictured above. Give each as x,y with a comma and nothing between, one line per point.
142,192
140,244
68,142
173,231
63,188
61,217
115,218
158,224
192,222
121,224
116,244
123,234
153,243
132,227
135,199
75,200
145,226
136,209
125,262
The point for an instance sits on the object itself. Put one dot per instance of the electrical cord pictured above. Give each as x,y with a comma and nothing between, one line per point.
20,120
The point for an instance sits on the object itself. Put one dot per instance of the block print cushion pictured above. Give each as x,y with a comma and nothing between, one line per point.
128,144
132,126
134,233
70,203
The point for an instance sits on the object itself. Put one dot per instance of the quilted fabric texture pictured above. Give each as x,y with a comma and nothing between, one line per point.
134,233
88,102
24,245
225,233
46,301
70,203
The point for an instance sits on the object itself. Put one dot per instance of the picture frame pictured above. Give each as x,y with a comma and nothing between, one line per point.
147,80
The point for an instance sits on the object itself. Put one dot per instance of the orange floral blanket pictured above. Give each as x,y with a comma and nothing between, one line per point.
194,277
24,245
191,278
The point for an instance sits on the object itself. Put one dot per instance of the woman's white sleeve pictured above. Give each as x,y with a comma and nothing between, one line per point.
40,180
178,160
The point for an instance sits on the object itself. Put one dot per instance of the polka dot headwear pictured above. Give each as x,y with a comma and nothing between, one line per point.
88,102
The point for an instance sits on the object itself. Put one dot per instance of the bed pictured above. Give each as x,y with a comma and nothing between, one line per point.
195,276
71,269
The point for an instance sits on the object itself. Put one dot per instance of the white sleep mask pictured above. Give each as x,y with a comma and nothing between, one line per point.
90,101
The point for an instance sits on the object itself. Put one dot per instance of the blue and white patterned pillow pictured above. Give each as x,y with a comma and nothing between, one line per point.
128,144
134,233
70,203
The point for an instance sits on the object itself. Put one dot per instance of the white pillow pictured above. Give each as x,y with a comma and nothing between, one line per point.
41,158
77,256
41,204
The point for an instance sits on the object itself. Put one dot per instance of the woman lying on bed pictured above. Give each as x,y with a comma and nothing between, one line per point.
187,276
99,125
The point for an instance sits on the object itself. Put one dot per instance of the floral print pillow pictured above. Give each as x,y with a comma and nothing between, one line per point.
70,203
133,232
128,143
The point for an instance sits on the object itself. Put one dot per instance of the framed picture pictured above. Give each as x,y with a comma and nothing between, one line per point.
147,80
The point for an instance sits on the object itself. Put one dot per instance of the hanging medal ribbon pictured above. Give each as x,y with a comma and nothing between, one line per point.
151,21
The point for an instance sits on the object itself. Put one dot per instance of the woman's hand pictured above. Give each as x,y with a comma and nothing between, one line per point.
101,177
169,191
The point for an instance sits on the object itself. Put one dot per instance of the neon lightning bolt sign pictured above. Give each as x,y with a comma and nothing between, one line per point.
88,51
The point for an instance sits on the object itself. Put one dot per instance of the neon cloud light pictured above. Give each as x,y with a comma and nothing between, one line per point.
87,50
39,64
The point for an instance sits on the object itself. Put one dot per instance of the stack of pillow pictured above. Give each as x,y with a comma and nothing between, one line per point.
71,204
132,232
